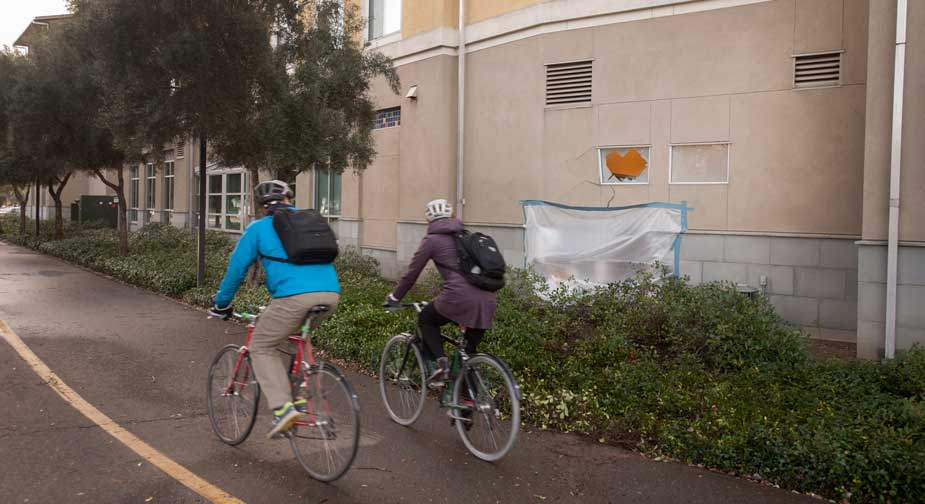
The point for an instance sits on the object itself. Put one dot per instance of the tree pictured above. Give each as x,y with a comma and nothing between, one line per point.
15,171
170,69
55,115
319,115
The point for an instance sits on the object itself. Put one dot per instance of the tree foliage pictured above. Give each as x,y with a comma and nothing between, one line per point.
171,68
319,113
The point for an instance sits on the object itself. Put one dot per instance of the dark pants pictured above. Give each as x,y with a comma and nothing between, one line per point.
430,322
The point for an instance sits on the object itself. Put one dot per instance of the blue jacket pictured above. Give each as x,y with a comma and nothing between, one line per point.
283,279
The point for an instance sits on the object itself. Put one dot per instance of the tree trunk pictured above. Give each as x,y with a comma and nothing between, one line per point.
55,193
23,200
253,275
119,188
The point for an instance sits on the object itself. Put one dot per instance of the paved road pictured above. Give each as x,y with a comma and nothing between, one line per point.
142,360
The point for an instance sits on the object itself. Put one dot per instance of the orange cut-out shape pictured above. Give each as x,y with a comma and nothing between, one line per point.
632,164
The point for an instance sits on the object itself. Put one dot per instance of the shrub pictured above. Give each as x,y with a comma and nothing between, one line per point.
698,373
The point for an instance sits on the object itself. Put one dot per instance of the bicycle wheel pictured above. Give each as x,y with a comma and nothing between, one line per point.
325,441
233,395
494,411
402,379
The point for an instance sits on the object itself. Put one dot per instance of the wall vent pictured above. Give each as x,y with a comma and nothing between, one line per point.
180,150
568,83
817,70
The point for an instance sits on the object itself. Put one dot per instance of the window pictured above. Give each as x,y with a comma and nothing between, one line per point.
133,194
150,192
384,18
226,201
168,192
327,192
623,165
699,164
387,118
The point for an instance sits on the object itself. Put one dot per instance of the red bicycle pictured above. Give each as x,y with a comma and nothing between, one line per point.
325,441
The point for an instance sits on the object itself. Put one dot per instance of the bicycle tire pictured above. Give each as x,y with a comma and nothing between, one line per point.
340,428
220,373
407,381
497,399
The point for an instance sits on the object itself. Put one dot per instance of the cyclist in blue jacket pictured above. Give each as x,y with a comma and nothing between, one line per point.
295,290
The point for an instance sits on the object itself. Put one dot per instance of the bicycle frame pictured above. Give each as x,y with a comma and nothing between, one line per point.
304,350
460,358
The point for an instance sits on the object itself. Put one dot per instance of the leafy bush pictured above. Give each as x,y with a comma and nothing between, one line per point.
697,373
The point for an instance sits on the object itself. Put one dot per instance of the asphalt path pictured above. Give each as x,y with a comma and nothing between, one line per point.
142,360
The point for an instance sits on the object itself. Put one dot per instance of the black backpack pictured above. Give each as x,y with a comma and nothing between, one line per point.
480,260
306,236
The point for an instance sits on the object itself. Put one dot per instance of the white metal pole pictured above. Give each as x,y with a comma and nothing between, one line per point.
461,113
899,67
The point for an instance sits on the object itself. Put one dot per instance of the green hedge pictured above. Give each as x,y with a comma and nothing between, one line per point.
697,373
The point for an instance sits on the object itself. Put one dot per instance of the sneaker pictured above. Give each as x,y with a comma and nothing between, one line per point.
441,372
301,405
283,419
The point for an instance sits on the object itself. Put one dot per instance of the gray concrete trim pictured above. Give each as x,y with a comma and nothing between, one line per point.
882,243
382,249
773,234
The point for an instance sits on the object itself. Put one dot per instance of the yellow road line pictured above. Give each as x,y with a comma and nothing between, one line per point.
146,451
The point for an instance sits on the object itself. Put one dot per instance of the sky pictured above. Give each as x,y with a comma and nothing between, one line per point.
15,16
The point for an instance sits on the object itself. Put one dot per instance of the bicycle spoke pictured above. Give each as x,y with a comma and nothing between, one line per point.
495,412
326,444
402,386
232,407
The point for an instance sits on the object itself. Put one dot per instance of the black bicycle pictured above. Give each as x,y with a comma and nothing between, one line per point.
483,402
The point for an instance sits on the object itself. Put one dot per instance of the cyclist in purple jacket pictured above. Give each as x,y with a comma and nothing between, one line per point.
459,301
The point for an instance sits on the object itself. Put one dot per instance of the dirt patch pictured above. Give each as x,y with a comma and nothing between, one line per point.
822,349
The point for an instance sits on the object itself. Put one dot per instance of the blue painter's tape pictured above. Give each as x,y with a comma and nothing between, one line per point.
673,206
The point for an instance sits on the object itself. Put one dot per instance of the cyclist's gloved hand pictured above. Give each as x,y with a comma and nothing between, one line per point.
222,313
391,302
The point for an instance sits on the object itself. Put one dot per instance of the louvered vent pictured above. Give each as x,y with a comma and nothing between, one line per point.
568,83
181,149
817,70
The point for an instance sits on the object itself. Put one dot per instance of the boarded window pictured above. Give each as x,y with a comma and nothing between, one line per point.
623,165
700,164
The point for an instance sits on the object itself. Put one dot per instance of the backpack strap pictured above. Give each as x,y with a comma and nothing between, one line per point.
277,259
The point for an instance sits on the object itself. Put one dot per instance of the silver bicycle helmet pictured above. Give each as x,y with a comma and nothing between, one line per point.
437,209
272,190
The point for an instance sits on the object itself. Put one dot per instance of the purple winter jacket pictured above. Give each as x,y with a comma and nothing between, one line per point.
459,300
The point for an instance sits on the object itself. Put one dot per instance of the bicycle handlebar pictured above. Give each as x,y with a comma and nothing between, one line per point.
397,308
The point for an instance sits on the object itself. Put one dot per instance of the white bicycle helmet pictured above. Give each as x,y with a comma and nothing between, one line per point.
437,209
272,190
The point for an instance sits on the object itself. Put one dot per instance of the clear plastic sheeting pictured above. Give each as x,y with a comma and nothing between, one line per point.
584,247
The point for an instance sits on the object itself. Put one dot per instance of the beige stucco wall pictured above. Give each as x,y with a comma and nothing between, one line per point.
796,157
480,10
419,16
879,124
415,162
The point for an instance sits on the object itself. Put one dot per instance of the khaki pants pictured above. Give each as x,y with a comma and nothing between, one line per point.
282,318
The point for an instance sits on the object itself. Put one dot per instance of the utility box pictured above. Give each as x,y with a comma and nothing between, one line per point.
100,209
75,211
